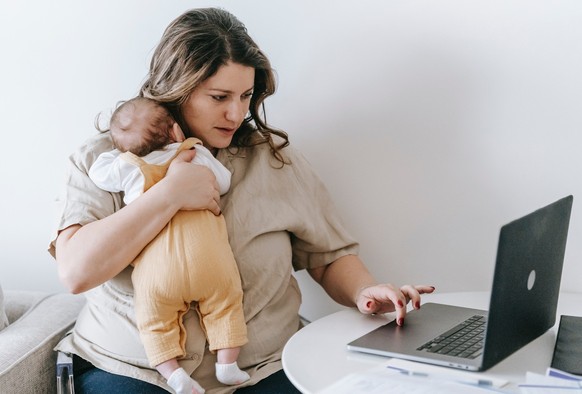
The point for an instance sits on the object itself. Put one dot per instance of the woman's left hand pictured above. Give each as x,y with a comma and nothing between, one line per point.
383,298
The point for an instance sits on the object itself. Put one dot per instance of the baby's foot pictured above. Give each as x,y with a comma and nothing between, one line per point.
230,374
182,383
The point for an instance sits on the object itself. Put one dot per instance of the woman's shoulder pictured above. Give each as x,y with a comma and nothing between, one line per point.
88,151
287,161
287,151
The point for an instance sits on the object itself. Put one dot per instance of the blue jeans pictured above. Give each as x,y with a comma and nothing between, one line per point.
92,380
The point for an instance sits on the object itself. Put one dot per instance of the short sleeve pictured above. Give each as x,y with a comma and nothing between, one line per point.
319,237
81,201
204,157
105,171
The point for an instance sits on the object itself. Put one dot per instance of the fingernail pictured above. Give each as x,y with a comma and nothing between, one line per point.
369,304
432,287
400,321
417,305
400,304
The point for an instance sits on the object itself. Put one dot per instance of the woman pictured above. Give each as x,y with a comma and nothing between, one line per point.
213,78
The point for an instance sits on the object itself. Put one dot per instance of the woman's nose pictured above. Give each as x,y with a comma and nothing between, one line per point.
236,111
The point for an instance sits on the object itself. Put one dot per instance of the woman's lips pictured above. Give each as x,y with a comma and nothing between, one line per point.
226,130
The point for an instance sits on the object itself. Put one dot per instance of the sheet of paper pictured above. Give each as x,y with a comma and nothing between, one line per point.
563,375
380,380
544,384
445,373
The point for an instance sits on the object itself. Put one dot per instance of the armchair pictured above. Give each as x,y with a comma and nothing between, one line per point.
38,321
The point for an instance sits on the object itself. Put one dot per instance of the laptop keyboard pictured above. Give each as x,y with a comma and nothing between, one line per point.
464,340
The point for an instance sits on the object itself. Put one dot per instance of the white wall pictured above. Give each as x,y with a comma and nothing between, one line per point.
432,122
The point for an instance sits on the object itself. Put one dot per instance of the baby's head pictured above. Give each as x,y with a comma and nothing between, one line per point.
141,125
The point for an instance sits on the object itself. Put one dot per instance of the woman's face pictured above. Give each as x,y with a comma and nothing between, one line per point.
218,106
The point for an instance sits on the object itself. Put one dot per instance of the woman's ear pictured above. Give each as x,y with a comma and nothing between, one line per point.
177,134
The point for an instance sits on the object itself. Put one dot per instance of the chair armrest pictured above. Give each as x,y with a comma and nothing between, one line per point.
27,358
19,302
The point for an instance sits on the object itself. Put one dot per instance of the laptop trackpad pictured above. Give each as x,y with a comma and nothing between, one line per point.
420,326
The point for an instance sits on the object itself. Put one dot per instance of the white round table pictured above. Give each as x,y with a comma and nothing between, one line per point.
316,356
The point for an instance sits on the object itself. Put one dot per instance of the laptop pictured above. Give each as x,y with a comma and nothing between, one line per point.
523,303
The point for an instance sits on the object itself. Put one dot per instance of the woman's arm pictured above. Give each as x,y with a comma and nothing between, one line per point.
343,278
89,255
348,282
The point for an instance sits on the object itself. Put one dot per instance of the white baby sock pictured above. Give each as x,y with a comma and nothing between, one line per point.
230,374
182,383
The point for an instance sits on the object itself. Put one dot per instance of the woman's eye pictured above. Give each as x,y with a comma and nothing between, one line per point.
247,95
219,98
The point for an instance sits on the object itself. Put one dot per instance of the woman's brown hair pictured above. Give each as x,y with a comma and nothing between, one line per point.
192,49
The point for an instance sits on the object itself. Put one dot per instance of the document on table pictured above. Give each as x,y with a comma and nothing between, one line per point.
553,382
400,376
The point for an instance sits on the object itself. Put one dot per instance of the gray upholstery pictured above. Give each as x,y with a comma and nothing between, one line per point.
3,318
37,322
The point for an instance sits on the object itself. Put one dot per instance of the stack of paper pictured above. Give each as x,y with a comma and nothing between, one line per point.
553,382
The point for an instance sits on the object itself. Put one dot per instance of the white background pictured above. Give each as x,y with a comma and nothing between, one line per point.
432,122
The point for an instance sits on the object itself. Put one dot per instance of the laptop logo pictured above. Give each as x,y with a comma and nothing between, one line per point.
531,279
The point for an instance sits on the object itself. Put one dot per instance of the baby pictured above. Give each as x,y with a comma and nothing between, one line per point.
147,139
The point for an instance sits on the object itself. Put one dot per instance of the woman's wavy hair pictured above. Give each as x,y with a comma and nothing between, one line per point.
192,49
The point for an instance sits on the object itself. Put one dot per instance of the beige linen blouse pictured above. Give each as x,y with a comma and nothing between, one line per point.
278,219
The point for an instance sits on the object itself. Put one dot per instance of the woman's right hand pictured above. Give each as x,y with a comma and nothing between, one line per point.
191,186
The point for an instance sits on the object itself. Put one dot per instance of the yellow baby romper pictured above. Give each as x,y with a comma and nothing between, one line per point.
190,260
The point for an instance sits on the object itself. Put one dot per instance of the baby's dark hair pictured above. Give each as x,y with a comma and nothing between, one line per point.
141,142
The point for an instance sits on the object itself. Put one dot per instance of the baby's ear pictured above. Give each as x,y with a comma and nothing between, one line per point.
177,133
